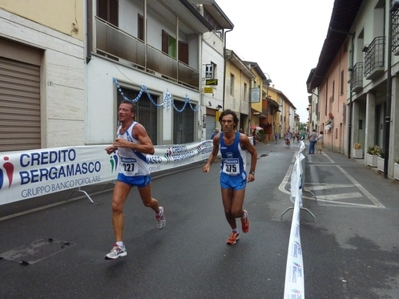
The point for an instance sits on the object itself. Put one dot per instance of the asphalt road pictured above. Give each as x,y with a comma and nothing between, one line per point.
350,251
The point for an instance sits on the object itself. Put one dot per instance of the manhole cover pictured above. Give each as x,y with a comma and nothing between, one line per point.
36,251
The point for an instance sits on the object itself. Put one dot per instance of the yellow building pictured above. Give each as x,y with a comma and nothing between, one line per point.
237,89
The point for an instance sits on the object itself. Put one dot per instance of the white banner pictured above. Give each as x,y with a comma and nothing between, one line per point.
28,174
294,287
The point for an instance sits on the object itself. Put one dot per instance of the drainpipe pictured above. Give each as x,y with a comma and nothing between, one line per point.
224,71
350,100
89,30
394,7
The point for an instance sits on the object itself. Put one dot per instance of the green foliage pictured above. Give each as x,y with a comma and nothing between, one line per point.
374,150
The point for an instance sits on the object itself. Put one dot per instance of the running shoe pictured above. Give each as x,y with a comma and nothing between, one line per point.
234,237
161,220
245,223
116,251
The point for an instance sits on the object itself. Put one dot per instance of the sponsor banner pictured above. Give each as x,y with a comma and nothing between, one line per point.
28,174
172,156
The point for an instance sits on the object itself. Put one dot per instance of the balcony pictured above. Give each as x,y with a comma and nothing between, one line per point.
357,77
118,45
374,58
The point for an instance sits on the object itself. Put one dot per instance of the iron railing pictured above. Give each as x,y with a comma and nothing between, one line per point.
357,77
116,44
374,58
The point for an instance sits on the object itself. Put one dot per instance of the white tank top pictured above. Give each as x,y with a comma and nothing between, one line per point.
131,162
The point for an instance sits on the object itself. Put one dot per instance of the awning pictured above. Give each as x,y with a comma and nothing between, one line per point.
256,127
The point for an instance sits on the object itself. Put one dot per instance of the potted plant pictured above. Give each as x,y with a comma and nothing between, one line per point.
380,160
357,151
372,155
396,169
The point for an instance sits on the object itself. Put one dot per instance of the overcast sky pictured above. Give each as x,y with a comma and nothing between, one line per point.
284,37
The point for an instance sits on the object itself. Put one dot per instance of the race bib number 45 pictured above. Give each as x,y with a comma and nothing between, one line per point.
128,166
231,166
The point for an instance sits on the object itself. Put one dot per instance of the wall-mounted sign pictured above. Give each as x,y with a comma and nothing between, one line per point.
211,82
255,95
208,89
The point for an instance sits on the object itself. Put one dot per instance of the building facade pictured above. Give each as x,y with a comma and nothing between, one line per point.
42,74
361,50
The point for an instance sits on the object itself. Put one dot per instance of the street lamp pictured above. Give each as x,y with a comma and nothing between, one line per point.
268,80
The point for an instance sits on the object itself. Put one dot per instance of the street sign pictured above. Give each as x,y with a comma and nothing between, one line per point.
208,89
211,82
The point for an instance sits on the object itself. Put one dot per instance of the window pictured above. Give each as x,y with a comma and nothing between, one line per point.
183,123
232,84
168,44
210,71
146,112
245,92
342,83
108,11
183,52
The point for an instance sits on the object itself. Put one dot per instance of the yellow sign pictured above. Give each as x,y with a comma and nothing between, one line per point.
217,115
211,82
208,89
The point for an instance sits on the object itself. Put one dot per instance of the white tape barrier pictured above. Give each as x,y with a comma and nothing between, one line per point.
33,173
294,287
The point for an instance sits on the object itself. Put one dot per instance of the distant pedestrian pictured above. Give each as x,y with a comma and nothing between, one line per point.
320,142
255,137
312,141
214,133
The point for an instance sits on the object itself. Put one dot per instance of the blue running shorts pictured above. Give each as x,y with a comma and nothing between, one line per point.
139,181
235,182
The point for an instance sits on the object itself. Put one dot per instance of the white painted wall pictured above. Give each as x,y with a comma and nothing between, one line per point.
209,54
101,114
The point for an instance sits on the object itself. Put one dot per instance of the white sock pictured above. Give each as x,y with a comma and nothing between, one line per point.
119,243
235,230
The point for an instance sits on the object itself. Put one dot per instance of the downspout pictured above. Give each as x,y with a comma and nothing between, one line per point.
89,30
225,66
350,100
394,7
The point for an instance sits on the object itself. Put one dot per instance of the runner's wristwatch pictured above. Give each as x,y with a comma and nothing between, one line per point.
252,172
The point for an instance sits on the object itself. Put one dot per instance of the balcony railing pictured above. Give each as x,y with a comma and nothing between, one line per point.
374,58
119,45
357,77
395,32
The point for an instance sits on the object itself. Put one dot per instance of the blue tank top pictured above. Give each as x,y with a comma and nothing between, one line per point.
234,158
